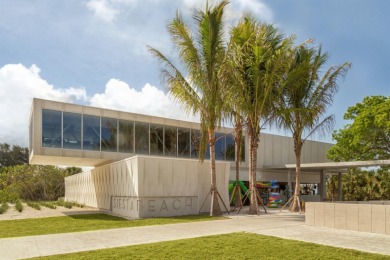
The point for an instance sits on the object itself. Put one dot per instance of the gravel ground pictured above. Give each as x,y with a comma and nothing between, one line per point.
29,212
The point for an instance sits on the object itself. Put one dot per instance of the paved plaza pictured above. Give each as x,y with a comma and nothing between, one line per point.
279,224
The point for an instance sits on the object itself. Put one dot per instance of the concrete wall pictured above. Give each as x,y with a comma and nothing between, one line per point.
276,150
367,217
143,186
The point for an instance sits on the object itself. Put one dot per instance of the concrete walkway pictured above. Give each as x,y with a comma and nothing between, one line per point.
285,225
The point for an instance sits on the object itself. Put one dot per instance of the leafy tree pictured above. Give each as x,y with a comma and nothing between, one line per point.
362,185
306,96
368,136
200,90
12,155
33,182
259,53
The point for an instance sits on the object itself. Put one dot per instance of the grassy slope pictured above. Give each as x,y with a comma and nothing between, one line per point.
230,246
77,223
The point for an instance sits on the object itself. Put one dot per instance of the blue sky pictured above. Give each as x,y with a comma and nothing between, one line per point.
94,52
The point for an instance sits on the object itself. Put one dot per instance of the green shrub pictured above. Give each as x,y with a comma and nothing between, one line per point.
49,205
19,206
34,205
68,204
60,202
8,196
79,205
4,208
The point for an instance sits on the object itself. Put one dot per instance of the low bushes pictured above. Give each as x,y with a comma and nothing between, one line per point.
3,208
19,206
33,205
49,205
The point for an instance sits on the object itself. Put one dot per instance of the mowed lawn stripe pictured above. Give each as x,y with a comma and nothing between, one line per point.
85,222
228,246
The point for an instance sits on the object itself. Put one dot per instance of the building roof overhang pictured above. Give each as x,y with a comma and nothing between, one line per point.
335,167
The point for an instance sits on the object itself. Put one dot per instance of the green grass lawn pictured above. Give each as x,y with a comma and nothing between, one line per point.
230,246
76,223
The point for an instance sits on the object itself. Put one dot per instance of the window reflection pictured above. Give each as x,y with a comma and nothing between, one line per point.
156,139
170,141
184,143
195,143
109,134
51,128
72,131
91,133
230,148
77,131
141,138
219,146
126,136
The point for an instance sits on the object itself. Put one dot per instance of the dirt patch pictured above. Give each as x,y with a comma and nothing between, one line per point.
44,212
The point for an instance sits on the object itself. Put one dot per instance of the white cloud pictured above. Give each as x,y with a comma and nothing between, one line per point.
258,8
103,10
18,86
234,9
149,101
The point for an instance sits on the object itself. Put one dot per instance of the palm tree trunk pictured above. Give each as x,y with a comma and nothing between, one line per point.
253,207
295,205
237,157
215,209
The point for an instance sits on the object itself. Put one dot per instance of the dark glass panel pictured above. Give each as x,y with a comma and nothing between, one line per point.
126,136
109,134
230,148
72,131
51,128
141,138
91,133
156,139
170,141
219,146
195,143
184,142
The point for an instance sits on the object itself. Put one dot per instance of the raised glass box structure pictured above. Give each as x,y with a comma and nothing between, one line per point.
75,135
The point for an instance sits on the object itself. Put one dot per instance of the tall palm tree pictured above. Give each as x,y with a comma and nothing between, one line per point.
260,60
233,114
199,87
305,99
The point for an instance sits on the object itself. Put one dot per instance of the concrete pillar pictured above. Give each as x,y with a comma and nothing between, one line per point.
340,188
322,187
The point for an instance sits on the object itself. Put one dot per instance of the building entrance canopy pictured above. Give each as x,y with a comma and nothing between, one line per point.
335,167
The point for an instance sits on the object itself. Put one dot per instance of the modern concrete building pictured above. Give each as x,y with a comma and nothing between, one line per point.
149,165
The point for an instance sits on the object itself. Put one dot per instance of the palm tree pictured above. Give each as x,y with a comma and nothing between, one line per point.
200,90
233,114
260,59
305,99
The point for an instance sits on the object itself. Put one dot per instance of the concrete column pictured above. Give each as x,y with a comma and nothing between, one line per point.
340,188
322,187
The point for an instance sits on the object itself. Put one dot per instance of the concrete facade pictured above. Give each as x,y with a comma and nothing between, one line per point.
141,186
357,216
